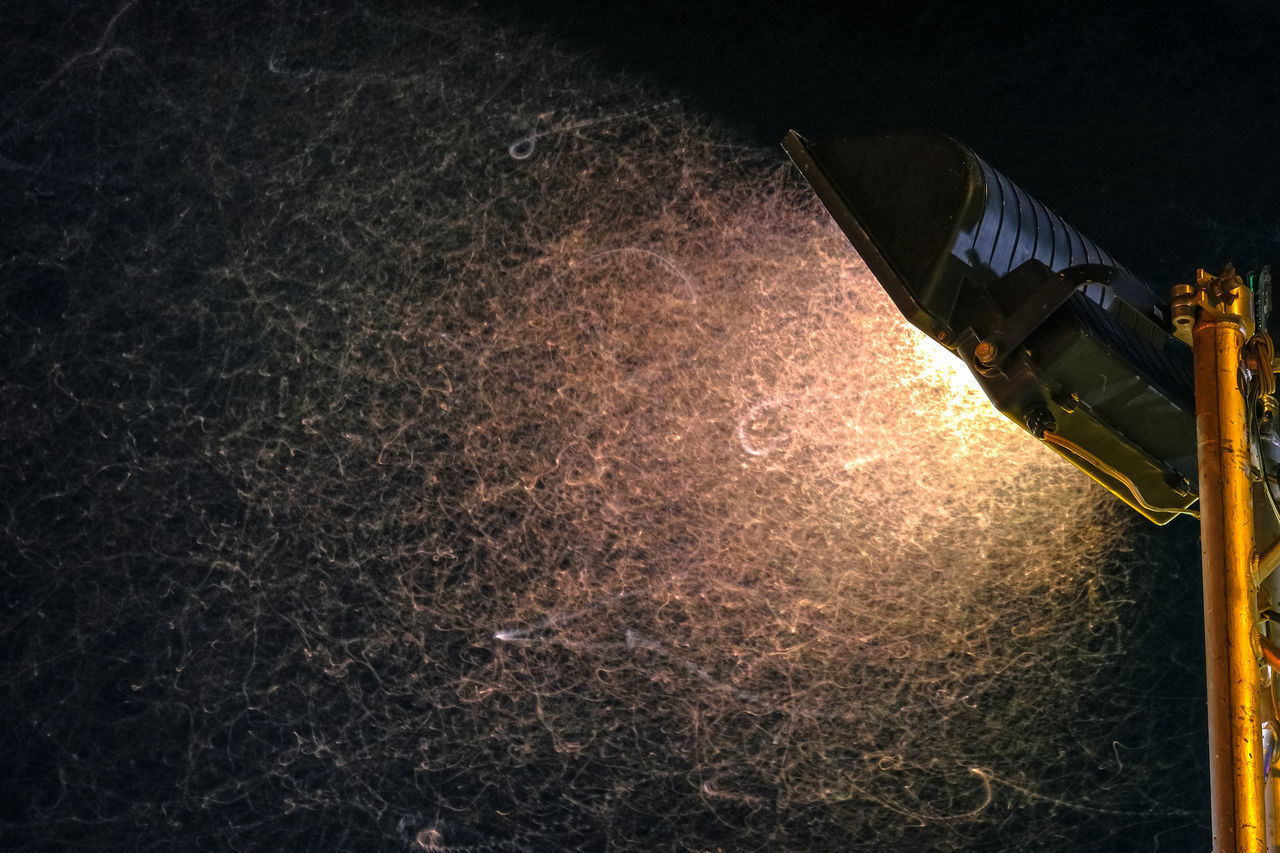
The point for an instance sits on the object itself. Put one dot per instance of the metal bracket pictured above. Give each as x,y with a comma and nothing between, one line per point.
1046,292
1223,298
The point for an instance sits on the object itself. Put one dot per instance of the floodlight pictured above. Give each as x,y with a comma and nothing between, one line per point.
1167,400
1062,338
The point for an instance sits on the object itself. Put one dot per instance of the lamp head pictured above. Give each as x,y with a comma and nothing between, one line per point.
1063,339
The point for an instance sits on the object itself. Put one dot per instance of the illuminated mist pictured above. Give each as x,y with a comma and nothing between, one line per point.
435,443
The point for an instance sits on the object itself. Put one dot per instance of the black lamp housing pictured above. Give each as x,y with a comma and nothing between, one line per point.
1063,339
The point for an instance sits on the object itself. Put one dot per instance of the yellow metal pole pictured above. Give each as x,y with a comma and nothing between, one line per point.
1227,552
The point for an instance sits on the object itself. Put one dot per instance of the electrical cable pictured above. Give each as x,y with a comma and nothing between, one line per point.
1270,650
1264,387
1111,471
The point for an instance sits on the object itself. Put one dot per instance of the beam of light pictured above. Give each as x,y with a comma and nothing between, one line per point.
803,498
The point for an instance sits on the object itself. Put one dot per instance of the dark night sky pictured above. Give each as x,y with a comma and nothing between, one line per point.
1150,125
366,487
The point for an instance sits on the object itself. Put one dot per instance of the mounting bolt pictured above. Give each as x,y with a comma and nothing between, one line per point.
1178,483
1183,311
1039,421
985,352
